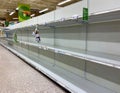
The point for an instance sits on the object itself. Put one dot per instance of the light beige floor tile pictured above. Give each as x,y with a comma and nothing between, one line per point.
18,77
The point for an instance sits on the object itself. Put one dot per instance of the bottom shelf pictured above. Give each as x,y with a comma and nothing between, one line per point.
70,81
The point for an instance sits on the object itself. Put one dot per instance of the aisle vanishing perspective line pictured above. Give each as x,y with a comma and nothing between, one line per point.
18,77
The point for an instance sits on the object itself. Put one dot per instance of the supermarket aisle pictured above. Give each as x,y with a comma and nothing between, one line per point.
18,77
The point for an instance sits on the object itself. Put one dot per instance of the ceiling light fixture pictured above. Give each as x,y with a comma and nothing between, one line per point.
17,8
12,13
46,9
63,2
15,18
32,15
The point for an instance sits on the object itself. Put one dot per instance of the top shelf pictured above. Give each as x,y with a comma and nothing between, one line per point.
66,23
105,17
74,21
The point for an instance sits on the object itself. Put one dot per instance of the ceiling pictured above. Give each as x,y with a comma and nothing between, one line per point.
7,6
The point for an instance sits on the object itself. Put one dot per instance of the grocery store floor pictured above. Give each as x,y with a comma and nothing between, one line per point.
18,77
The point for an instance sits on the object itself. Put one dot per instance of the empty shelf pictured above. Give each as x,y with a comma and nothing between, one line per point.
65,77
104,59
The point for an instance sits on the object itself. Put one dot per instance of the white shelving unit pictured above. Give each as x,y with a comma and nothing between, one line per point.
84,53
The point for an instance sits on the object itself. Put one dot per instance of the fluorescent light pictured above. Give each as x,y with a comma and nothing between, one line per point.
32,15
17,8
63,2
15,18
46,9
12,13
